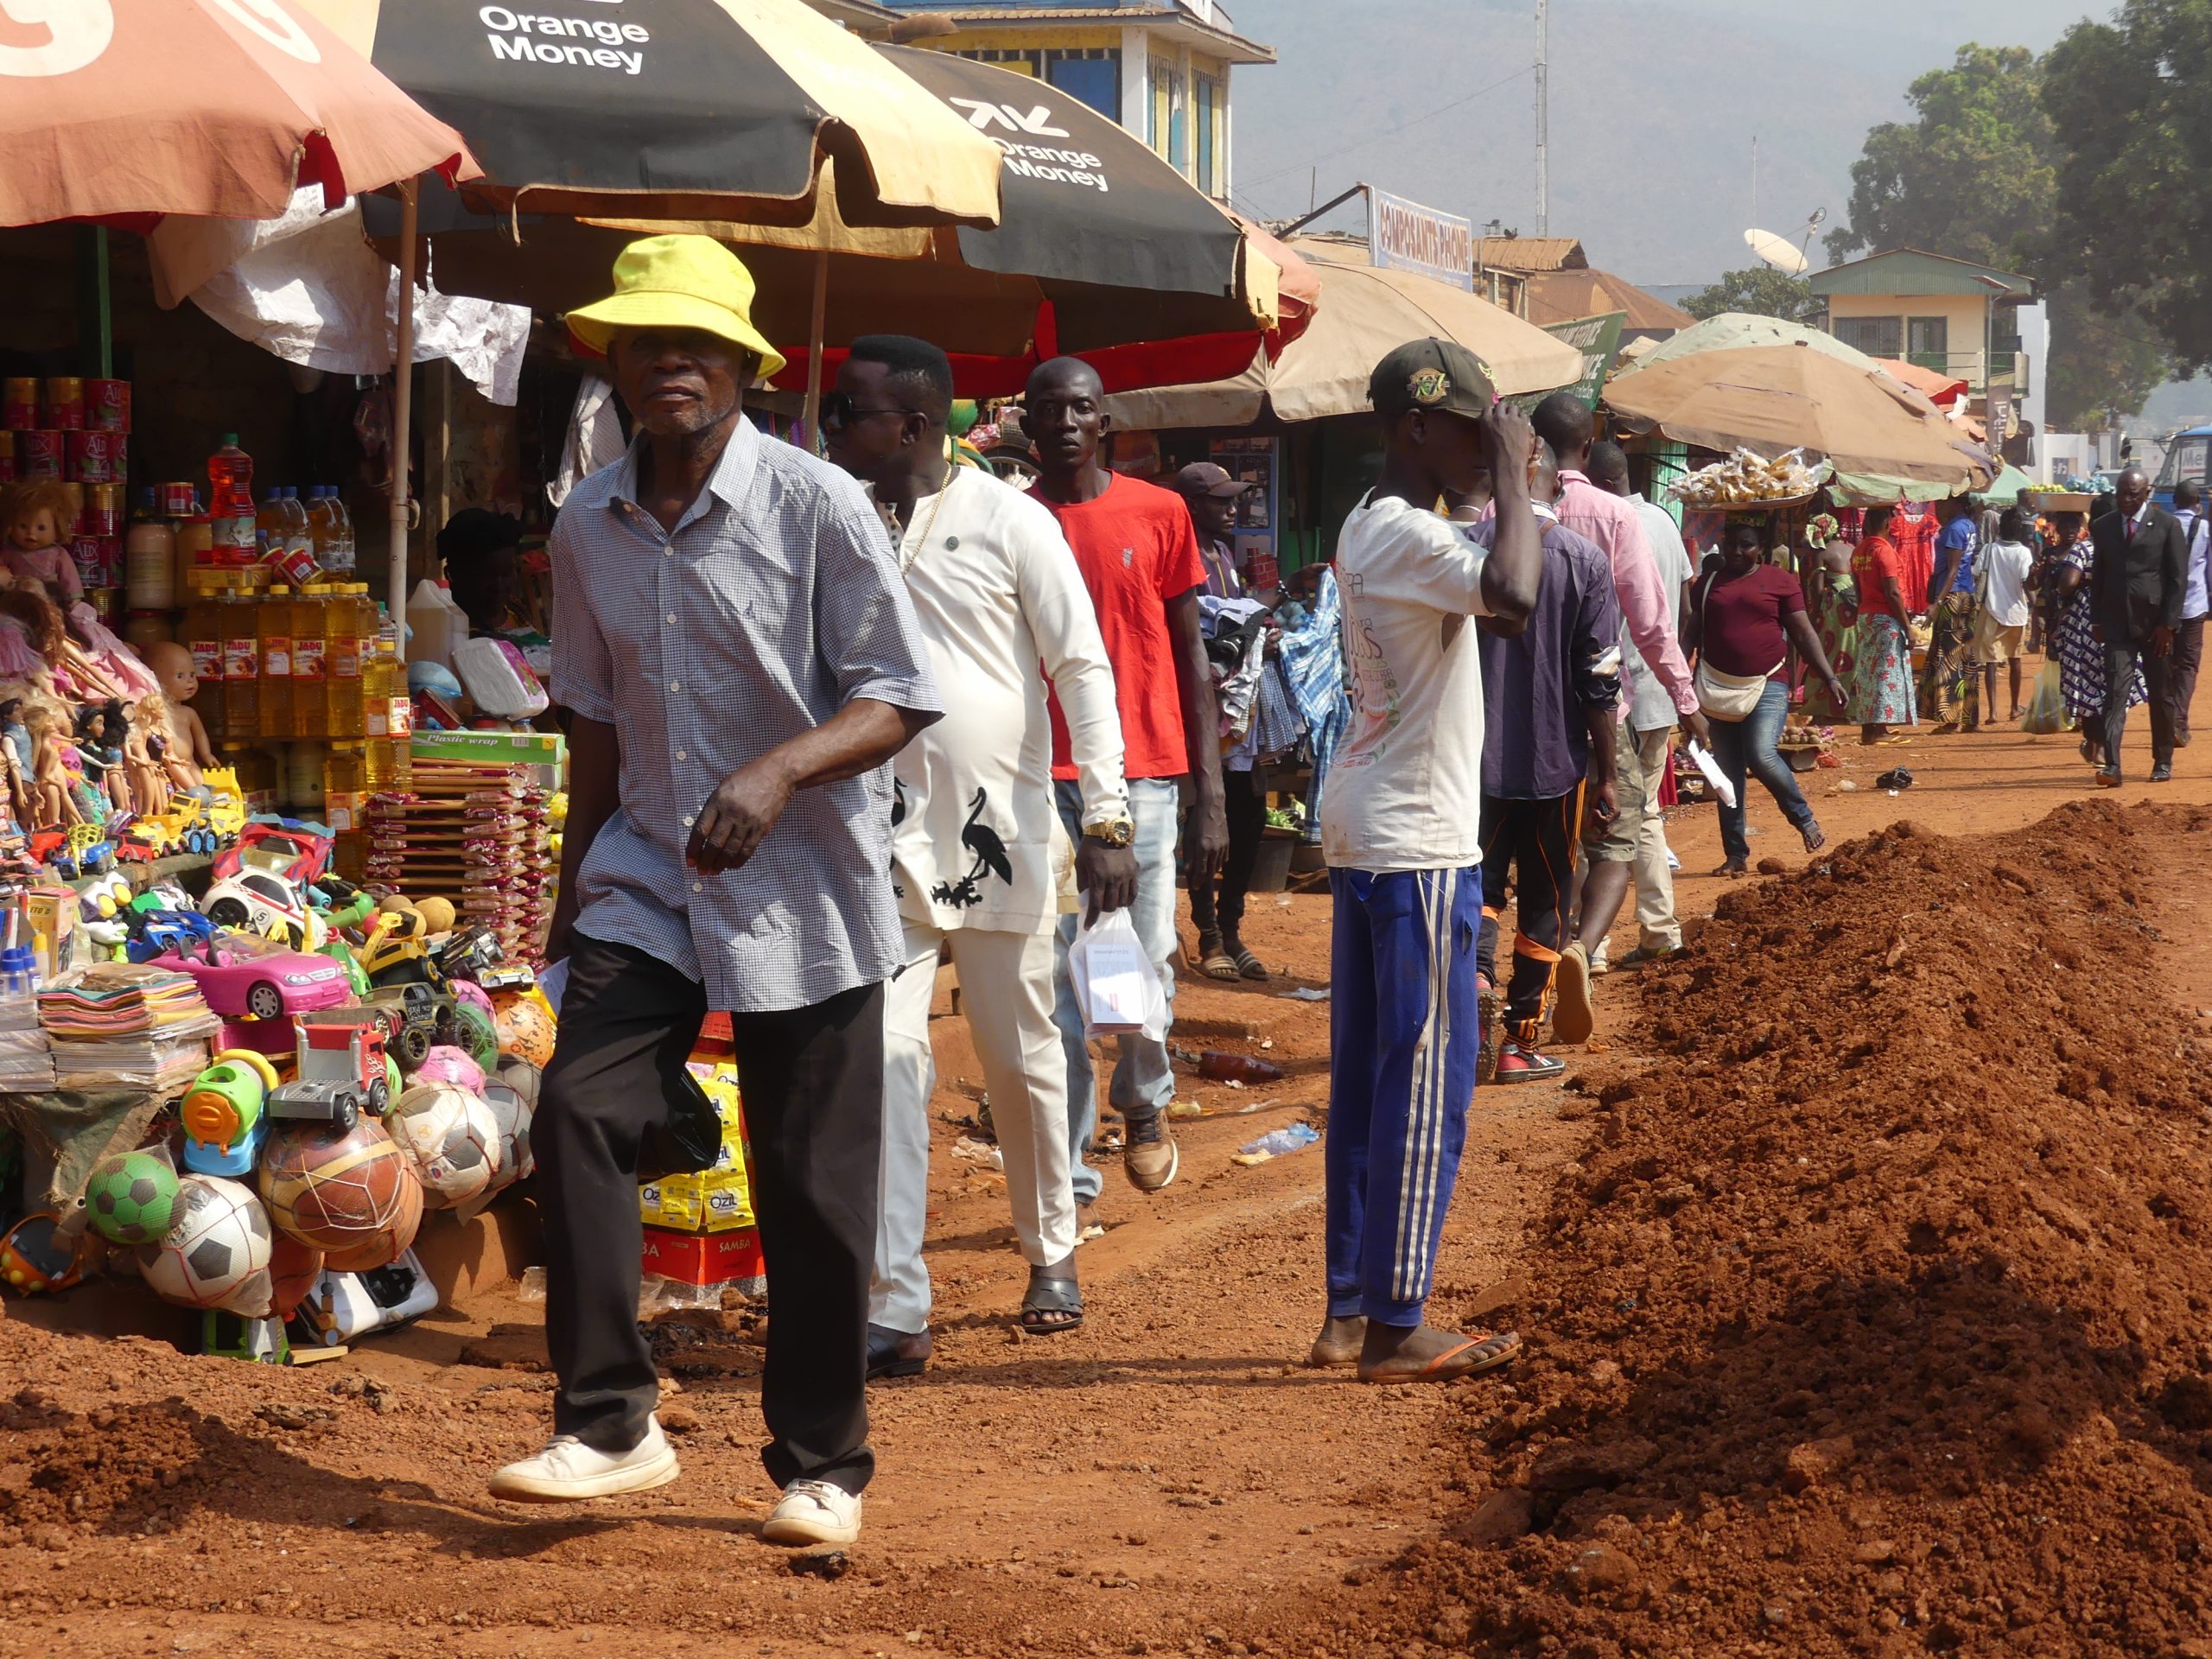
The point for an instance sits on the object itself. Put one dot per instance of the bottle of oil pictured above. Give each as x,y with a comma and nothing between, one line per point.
273,630
390,718
341,634
310,671
345,788
241,663
203,637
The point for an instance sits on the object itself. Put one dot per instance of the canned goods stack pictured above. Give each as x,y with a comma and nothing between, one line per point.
75,430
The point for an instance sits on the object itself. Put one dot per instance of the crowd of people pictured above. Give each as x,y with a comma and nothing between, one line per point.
835,721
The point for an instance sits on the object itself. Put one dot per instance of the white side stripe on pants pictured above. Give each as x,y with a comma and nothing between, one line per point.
1425,1116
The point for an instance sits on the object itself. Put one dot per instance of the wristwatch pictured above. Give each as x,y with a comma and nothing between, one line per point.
1113,832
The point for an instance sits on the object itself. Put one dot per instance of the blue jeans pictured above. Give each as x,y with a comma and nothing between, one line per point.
1144,1080
1748,745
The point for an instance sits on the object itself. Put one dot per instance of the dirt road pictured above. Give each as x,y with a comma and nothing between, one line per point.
1164,1479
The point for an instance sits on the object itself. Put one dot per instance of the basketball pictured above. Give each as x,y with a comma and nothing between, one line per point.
346,1194
386,1246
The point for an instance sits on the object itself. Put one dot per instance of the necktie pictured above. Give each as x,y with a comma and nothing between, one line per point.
2130,529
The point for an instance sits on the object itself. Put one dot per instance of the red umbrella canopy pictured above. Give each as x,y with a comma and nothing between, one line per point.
120,109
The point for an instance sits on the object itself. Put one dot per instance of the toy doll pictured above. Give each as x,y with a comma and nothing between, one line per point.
15,752
61,669
101,733
150,784
187,748
36,517
51,804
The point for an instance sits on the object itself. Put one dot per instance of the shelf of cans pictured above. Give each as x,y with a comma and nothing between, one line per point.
76,431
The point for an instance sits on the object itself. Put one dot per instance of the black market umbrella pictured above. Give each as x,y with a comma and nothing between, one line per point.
1103,250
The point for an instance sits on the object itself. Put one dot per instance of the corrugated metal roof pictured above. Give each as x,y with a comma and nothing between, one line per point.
1530,253
1158,15
1915,271
1562,296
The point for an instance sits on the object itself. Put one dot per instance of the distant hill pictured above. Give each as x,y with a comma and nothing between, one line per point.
1654,106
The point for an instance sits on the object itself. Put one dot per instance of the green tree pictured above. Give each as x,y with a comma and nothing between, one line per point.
2131,104
1976,175
1759,289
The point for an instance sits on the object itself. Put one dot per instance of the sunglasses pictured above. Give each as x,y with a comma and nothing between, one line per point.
839,410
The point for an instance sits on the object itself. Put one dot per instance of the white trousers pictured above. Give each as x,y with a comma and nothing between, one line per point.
1006,991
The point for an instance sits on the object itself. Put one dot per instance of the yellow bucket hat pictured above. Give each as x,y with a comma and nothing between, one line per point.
678,282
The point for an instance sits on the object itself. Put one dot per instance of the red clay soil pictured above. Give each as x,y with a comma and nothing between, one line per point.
1873,1319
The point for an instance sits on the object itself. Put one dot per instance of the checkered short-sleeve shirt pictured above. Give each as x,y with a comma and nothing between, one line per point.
774,602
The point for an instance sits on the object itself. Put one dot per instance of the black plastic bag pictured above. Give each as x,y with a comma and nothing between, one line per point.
688,1141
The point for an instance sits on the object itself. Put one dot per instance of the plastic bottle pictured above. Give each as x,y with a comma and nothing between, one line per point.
457,618
272,524
430,625
203,637
342,549
322,525
195,550
241,611
341,634
391,712
310,671
273,631
230,503
149,560
345,791
1238,1068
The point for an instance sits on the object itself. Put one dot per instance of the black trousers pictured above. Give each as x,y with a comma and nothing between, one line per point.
2120,661
812,1079
2181,675
1535,840
1244,803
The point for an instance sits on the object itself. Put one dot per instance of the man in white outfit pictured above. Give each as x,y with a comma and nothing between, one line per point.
976,842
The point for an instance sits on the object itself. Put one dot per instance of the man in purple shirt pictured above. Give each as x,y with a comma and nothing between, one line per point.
1212,495
1551,696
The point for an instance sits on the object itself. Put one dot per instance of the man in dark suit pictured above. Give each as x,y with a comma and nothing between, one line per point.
2136,590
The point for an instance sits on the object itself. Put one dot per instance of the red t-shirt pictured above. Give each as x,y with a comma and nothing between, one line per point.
1874,559
1137,549
1745,617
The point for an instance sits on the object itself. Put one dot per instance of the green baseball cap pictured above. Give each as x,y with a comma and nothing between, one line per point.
1432,374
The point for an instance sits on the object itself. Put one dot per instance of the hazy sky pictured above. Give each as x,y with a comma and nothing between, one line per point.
1654,107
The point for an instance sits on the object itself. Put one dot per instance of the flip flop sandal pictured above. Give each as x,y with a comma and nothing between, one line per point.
1468,1358
1051,1292
1250,966
1326,1356
1219,965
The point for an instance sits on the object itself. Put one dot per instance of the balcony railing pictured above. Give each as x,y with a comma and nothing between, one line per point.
1967,366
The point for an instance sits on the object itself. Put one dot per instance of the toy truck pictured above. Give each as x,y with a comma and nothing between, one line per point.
342,1070
415,1018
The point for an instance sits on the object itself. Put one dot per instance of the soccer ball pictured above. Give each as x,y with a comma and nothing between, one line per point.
216,1252
352,1194
511,1111
526,1026
131,1198
451,1138
449,1064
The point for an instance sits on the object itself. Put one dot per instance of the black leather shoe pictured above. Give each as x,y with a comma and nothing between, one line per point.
897,1353
2108,776
2162,773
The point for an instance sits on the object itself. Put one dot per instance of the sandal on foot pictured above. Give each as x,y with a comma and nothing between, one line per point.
1471,1357
1052,1304
1574,1015
1247,965
1814,840
1214,960
1338,1356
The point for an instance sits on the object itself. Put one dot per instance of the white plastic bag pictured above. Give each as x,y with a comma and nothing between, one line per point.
1116,984
1706,764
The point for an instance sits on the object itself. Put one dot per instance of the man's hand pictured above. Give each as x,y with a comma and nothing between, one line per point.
1208,836
1508,441
1701,734
2162,642
1604,801
737,816
1108,874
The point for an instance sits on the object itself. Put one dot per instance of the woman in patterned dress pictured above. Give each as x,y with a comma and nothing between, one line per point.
2081,658
1882,691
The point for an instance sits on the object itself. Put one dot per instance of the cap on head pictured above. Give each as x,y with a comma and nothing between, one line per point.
1430,374
673,282
1204,478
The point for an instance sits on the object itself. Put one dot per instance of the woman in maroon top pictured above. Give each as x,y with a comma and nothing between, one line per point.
1744,616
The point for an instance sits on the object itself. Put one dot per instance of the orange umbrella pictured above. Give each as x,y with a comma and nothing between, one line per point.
131,109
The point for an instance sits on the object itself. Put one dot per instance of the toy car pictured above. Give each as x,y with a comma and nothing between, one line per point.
267,904
91,850
470,953
396,950
416,1019
239,974
152,932
285,846
227,810
343,1070
106,896
186,824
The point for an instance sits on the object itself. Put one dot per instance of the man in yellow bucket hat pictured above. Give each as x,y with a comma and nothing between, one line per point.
740,662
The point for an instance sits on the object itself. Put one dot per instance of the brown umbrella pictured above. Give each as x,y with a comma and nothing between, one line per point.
1770,399
127,110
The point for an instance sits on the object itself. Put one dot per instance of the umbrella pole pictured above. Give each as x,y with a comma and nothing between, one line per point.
403,410
814,351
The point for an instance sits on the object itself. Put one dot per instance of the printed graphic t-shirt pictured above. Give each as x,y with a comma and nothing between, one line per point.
1137,549
1405,790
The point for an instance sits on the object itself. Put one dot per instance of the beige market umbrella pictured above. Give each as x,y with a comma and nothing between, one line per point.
1361,315
1771,398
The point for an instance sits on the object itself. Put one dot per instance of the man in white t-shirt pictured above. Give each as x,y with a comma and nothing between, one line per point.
1401,824
976,842
2000,623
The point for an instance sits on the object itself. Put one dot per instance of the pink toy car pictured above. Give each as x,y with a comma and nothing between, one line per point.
240,974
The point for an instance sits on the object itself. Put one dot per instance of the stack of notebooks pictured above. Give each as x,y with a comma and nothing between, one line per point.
478,834
120,1025
26,1057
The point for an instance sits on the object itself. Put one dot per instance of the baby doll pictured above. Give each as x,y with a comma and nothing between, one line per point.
150,785
58,669
36,517
188,747
50,799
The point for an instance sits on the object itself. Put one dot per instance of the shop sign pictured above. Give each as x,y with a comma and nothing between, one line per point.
1406,236
1599,340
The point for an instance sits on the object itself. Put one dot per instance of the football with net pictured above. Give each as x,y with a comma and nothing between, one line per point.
131,1198
216,1250
351,1194
451,1138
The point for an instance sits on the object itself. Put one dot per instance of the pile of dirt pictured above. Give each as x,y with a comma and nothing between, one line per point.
1878,1317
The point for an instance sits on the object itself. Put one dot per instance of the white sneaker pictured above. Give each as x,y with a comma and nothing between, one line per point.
567,1468
814,1512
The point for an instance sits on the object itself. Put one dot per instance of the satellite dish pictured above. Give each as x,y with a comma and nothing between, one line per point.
1775,250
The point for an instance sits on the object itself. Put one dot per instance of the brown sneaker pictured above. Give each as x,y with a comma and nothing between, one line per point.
1148,1157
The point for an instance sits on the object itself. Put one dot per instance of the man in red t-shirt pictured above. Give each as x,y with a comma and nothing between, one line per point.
1138,551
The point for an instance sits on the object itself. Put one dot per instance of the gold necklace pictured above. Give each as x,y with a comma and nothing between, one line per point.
906,560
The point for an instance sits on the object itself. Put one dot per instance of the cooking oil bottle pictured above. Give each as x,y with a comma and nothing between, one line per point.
345,788
341,634
310,669
241,663
273,630
390,718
